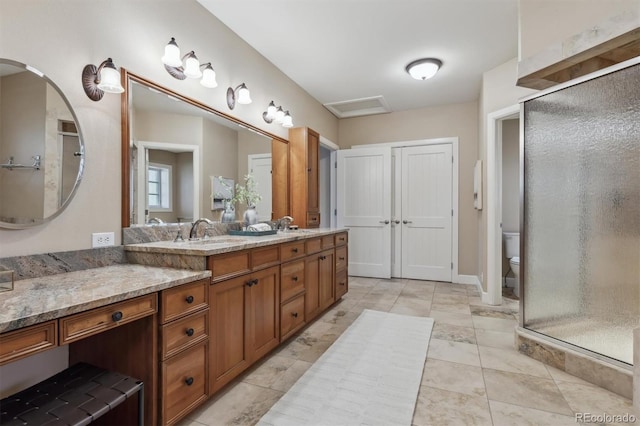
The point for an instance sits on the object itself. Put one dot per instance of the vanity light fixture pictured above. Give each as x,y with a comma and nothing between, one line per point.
104,78
423,69
240,95
277,115
187,66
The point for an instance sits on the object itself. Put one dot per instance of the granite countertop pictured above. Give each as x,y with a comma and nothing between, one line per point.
228,243
37,300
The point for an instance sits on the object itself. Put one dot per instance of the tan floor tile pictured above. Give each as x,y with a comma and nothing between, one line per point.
595,400
495,339
268,372
454,318
496,324
561,376
454,377
525,390
452,332
449,307
441,407
418,289
242,404
293,373
514,415
411,306
451,298
512,361
445,350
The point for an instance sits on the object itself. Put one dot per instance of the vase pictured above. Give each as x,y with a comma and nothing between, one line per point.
250,216
229,214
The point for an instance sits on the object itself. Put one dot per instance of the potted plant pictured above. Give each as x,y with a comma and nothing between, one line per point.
245,194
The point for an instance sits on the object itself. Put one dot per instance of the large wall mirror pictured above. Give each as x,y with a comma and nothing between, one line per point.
41,148
175,149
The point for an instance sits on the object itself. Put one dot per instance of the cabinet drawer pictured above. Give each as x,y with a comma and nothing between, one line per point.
292,250
327,242
27,341
313,245
291,279
291,317
341,258
184,383
182,300
342,283
264,257
313,220
342,238
85,324
228,265
183,333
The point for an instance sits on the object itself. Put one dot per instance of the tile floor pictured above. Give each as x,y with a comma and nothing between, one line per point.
472,376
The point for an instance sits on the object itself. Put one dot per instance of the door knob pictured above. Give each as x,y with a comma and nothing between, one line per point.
406,221
386,222
397,222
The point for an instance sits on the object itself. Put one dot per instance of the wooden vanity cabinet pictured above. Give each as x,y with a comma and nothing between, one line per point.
342,261
245,322
319,277
183,350
304,194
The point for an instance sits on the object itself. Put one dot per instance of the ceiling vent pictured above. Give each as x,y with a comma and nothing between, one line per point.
358,107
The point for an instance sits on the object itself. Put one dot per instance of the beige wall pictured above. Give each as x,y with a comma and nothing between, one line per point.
511,175
61,37
459,120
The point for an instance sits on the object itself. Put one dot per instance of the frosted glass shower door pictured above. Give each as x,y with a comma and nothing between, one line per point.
581,230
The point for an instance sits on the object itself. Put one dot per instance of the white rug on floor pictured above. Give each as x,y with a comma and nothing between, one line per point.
369,376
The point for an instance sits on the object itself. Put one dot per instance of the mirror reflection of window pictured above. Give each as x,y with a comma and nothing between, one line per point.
159,184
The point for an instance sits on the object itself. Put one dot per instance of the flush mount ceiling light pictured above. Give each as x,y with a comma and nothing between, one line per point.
277,115
423,69
240,94
104,78
187,65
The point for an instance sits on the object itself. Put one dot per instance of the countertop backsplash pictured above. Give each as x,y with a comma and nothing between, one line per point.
41,265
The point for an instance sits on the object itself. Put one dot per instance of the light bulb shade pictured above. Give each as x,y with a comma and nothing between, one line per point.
271,111
192,66
244,97
172,54
279,115
109,79
424,69
209,77
287,121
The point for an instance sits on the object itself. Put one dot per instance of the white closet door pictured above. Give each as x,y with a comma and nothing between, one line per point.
426,212
260,168
396,212
364,206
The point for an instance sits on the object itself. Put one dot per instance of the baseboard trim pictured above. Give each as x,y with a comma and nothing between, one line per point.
468,279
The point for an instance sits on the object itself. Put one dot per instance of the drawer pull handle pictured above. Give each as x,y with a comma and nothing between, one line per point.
341,258
189,299
189,381
294,314
295,249
190,332
116,316
294,278
341,238
251,283
341,283
323,257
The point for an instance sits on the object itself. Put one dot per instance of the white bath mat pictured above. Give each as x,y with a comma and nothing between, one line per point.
369,376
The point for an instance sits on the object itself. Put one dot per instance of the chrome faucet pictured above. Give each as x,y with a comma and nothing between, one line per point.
194,228
284,222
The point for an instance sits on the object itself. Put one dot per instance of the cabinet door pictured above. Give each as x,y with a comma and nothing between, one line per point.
264,312
229,352
326,281
311,295
313,181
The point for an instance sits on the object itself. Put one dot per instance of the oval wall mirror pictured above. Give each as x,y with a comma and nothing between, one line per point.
41,147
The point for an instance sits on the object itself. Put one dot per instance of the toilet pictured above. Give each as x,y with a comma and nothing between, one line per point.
512,252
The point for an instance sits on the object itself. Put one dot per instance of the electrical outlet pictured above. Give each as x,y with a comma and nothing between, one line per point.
102,239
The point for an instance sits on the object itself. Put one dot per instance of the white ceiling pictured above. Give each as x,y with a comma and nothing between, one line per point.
340,50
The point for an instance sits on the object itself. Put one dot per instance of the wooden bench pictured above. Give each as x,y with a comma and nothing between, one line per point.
76,396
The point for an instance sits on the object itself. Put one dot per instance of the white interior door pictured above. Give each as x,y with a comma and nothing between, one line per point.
427,212
364,206
260,168
396,212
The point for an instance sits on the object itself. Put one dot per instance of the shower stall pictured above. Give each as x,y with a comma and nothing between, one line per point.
580,213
